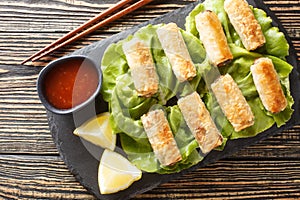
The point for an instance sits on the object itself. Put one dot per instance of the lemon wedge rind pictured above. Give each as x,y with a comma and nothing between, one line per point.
116,173
98,131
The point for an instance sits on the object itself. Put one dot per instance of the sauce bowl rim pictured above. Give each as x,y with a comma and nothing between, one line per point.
53,64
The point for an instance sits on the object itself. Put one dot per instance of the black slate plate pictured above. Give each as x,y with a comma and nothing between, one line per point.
82,158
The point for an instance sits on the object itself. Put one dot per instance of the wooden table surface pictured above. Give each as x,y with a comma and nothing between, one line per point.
30,166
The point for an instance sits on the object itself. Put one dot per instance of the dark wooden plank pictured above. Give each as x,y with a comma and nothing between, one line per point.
26,28
33,26
40,177
246,180
30,167
23,120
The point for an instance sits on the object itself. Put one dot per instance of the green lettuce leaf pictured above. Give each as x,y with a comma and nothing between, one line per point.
276,43
127,107
239,69
113,64
141,154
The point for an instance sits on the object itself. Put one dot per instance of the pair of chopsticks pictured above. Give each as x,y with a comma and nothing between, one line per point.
83,30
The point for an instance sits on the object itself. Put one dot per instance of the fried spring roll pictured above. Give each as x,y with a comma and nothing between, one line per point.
200,122
175,48
142,67
245,24
268,85
161,137
232,102
213,38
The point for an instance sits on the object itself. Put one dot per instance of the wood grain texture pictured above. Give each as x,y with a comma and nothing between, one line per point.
30,166
39,177
43,177
247,179
23,120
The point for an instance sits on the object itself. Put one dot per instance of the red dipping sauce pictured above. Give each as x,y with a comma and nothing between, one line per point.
70,83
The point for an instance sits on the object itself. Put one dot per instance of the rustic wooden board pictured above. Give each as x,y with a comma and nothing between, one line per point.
40,177
30,167
84,163
28,26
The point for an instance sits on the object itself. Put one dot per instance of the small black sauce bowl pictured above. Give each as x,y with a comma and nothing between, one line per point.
52,65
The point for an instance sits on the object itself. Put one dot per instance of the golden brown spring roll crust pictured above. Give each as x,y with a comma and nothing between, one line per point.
245,24
175,48
143,70
161,137
232,102
200,122
268,85
213,38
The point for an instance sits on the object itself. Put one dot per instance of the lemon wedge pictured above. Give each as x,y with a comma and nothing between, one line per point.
116,173
98,131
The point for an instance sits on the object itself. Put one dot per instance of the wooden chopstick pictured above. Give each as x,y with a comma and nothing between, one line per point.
75,35
80,28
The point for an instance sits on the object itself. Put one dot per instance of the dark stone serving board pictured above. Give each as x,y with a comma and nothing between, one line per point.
82,158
